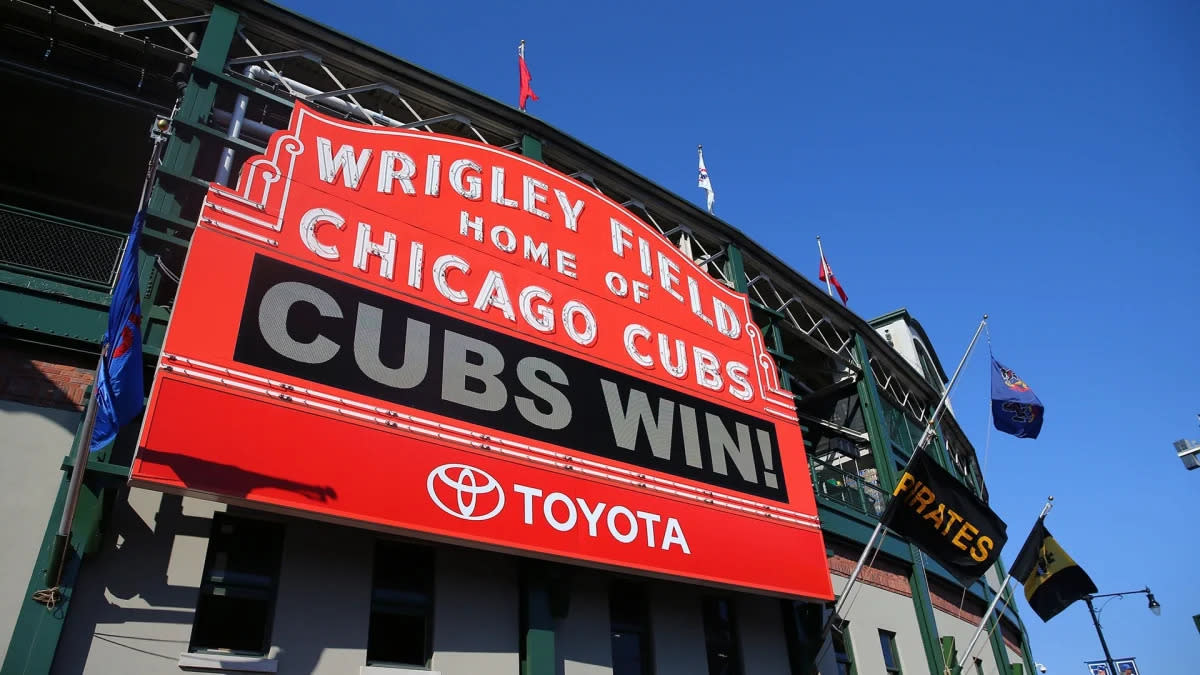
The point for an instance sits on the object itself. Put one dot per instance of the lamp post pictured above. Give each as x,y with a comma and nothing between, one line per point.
1153,607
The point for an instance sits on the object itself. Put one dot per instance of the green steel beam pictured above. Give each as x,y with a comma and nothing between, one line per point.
735,269
868,396
198,98
531,147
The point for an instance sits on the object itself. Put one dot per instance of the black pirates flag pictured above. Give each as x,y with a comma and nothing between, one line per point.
1052,579
944,519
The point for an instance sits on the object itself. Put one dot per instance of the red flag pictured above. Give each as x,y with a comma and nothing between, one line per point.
526,78
833,280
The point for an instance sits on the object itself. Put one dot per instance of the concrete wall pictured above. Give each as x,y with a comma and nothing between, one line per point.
760,624
475,619
678,629
133,604
873,609
35,441
961,631
902,341
583,640
323,604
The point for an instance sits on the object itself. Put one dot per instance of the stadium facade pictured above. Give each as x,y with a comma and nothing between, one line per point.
252,524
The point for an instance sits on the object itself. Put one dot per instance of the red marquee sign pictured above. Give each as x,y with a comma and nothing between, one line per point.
422,334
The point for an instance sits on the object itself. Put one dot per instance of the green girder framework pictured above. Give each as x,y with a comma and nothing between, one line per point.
794,313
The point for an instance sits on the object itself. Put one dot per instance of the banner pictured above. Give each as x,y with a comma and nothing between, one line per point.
1052,578
433,336
944,519
1016,409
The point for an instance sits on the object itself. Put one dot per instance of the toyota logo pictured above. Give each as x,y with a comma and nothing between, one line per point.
465,492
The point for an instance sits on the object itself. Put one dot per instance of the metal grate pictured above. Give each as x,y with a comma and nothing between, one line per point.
58,248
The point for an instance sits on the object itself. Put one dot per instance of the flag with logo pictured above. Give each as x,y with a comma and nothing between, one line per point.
1016,409
526,78
935,511
704,181
1051,578
826,274
119,388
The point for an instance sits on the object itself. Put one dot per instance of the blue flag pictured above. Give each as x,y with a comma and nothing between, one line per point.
1016,409
119,381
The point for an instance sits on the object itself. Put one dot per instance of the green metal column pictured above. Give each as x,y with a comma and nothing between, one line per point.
531,147
868,395
537,621
995,635
198,98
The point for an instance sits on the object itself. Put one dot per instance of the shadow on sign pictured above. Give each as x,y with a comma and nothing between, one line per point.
228,479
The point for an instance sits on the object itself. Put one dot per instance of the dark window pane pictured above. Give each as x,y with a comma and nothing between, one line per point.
231,622
721,638
885,641
237,597
627,654
401,605
397,638
629,615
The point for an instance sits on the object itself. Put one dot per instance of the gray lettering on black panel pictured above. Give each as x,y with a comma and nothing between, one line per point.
272,321
456,370
560,408
367,332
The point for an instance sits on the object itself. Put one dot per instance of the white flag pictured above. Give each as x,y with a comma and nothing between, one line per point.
704,181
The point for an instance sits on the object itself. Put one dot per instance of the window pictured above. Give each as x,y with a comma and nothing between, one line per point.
401,628
842,654
891,657
237,589
721,638
978,666
802,623
629,615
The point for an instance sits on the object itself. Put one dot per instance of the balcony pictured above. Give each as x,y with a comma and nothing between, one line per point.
58,249
846,488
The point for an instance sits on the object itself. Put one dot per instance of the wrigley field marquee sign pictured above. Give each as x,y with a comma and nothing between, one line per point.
421,334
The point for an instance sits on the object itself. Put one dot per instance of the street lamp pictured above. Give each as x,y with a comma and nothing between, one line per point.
1153,606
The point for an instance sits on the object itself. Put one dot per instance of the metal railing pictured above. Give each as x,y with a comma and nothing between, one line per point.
58,248
844,487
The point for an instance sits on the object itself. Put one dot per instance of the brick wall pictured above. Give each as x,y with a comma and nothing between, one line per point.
881,573
42,380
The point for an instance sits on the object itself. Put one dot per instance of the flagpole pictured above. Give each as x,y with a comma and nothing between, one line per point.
825,268
925,438
58,551
1003,587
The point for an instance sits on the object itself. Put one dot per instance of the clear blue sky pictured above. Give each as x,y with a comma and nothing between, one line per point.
1036,161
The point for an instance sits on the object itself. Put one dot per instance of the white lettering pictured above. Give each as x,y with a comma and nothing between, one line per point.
470,187
311,222
623,537
389,175
386,251
530,493
344,162
442,267
650,519
548,510
532,197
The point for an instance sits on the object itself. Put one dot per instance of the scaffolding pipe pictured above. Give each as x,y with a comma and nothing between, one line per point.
263,75
225,166
255,131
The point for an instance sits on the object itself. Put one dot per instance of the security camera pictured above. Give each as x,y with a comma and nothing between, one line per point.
1041,668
